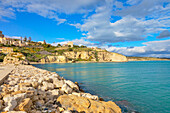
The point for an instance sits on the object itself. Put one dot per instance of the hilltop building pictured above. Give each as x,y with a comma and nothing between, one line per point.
11,41
68,44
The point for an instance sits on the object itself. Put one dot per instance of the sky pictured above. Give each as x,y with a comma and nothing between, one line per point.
128,27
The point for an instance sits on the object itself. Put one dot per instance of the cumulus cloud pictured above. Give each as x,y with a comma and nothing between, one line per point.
142,8
79,42
151,49
164,34
128,28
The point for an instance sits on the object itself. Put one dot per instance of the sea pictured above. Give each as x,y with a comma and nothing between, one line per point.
136,86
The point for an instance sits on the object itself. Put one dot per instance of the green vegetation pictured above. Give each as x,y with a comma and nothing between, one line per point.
96,56
2,57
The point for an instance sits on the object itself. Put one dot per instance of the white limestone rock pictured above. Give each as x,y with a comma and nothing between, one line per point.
66,88
72,85
58,83
88,95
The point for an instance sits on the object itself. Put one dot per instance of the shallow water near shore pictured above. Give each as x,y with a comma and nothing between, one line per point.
143,86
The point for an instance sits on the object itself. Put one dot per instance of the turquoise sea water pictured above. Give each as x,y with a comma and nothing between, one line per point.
142,86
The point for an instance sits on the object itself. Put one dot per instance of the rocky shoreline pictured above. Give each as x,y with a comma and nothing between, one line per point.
32,90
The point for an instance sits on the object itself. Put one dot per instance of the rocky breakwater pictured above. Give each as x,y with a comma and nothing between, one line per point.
15,58
33,90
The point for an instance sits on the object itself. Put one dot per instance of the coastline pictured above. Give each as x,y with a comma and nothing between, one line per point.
35,90
95,61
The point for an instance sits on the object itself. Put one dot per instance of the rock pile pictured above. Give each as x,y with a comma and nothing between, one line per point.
33,90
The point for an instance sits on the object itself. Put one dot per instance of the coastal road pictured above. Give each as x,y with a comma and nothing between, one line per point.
4,71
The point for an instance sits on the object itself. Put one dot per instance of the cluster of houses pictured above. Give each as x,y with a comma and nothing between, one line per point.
11,41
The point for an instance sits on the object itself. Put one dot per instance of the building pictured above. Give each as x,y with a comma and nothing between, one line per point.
41,42
70,44
6,50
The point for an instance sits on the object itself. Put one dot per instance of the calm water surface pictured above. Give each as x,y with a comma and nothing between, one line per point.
144,85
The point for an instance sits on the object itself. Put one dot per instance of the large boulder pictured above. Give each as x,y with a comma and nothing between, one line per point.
82,104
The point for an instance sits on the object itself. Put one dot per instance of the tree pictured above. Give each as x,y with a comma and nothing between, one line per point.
21,38
25,39
59,45
29,39
44,42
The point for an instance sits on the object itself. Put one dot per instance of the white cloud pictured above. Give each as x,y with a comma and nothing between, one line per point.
60,38
130,27
79,42
14,37
151,49
49,8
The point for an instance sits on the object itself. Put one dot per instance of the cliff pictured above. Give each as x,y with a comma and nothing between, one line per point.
93,56
54,59
15,58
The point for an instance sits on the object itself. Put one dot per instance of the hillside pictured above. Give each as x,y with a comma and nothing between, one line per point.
46,53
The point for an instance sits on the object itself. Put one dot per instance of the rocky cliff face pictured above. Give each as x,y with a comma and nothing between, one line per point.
54,59
111,57
15,58
101,56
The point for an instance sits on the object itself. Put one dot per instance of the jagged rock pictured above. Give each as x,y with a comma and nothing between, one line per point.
82,104
24,105
47,86
88,95
72,85
35,84
54,92
66,88
58,83
1,104
10,103
40,103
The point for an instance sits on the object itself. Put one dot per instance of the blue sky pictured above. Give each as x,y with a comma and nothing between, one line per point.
129,27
